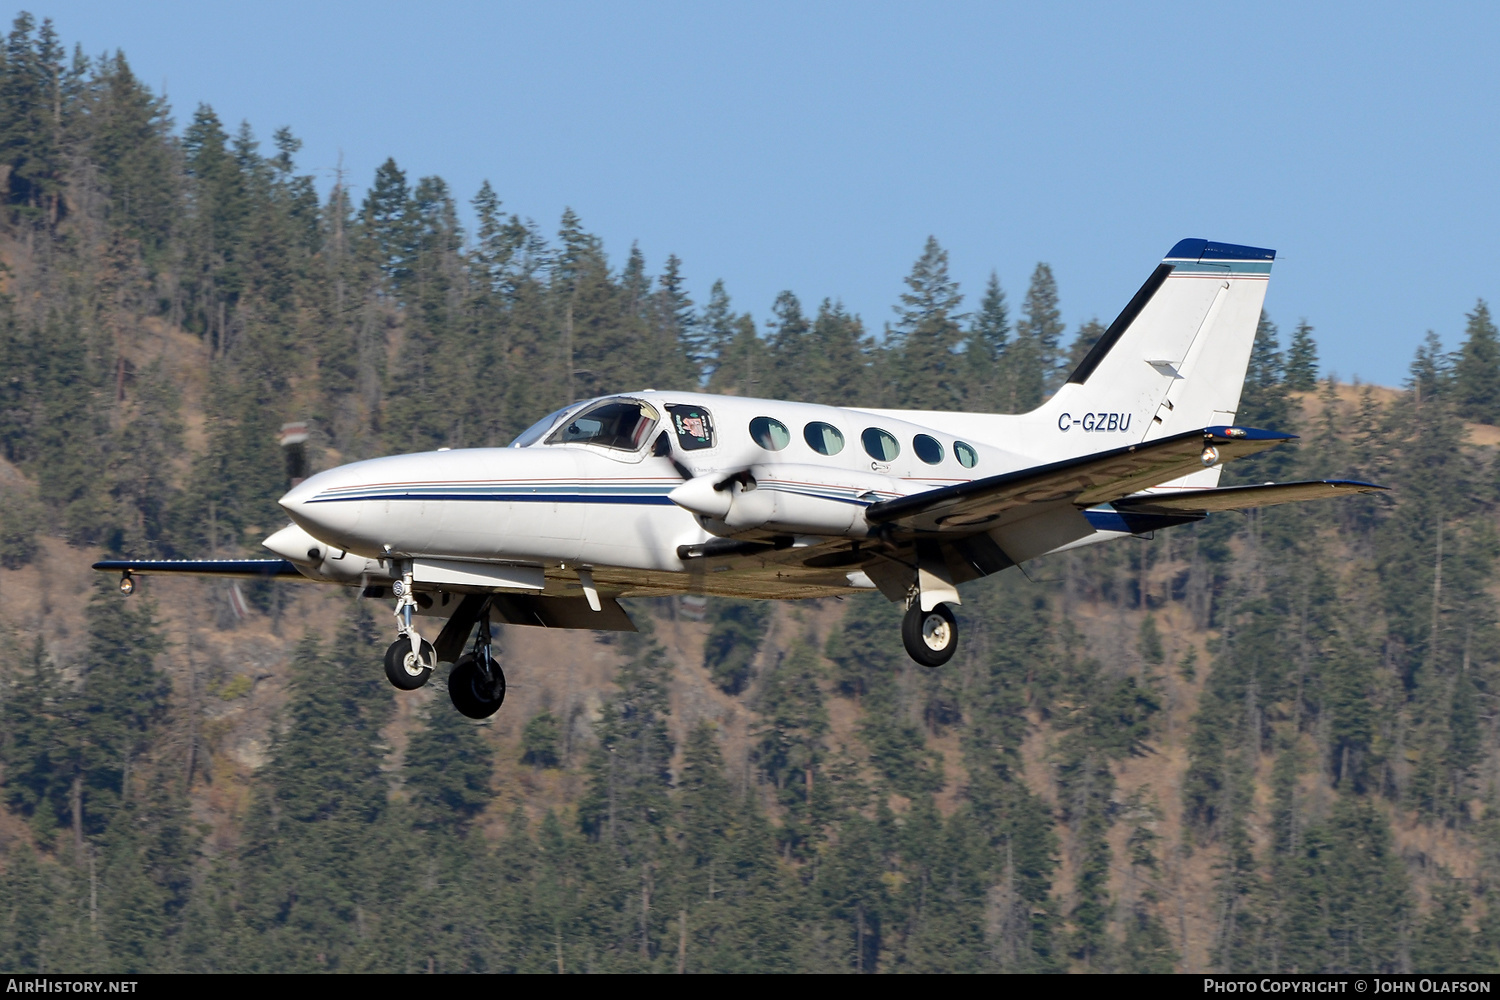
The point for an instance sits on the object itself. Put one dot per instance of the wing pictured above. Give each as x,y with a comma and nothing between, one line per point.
1093,479
1241,497
243,569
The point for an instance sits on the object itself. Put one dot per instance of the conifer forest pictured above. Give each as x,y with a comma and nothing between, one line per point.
1263,742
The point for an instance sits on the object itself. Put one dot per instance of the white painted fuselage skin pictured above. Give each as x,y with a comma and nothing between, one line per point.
565,506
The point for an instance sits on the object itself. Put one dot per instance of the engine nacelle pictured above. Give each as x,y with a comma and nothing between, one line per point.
320,561
784,498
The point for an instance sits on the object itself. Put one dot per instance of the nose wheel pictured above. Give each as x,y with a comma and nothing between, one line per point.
407,668
930,637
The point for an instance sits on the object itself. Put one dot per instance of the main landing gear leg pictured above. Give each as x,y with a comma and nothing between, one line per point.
410,659
477,684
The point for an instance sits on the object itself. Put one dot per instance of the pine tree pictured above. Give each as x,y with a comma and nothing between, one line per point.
678,351
928,323
788,337
1041,328
789,747
715,329
732,643
1444,944
745,366
1476,373
853,894
1147,946
1302,360
837,369
1264,403
317,819
31,138
143,460
27,900
985,351
626,803
67,445
448,768
389,232
541,741
497,240
892,727
124,698
39,750
1431,372
124,133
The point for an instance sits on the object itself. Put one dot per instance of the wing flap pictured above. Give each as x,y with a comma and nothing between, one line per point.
1092,479
1242,497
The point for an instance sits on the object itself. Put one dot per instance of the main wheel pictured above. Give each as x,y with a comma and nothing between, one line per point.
931,637
407,670
471,693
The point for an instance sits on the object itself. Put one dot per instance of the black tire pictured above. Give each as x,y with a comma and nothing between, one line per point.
930,637
405,671
470,693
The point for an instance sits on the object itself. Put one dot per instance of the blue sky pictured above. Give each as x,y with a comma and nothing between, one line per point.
815,146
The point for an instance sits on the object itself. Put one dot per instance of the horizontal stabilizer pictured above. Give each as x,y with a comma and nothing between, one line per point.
244,569
1242,497
1091,479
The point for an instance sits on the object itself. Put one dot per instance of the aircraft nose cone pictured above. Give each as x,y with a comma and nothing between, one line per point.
312,506
298,495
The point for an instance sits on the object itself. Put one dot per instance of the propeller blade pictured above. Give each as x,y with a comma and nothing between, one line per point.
293,438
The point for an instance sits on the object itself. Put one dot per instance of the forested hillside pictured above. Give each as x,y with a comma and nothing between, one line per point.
1262,742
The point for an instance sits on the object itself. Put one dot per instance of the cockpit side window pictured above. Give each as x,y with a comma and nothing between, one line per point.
695,430
621,424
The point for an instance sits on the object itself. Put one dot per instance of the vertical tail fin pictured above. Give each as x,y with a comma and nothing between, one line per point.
1175,358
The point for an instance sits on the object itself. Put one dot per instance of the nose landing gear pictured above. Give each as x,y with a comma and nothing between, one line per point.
410,659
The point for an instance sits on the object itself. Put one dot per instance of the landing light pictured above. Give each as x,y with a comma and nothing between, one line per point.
1210,455
127,583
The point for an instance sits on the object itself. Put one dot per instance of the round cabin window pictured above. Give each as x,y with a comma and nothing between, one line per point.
927,448
880,445
967,456
770,434
825,439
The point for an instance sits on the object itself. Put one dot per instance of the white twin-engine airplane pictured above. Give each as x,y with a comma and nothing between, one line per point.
656,493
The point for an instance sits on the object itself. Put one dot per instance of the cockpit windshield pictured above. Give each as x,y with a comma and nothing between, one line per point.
534,433
623,424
